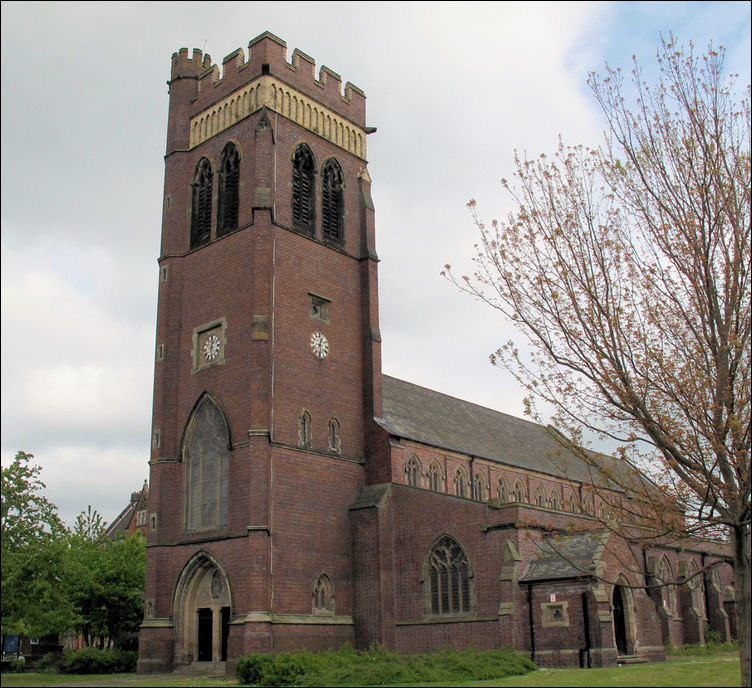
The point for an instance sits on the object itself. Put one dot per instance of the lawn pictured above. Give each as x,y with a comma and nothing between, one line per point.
694,670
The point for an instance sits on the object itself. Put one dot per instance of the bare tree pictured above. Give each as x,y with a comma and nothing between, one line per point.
627,270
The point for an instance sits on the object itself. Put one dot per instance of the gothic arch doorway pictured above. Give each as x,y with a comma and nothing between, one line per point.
202,607
623,618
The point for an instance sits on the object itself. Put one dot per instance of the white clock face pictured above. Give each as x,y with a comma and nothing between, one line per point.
319,345
211,347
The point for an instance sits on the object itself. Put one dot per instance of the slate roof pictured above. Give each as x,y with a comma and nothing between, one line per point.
569,556
429,417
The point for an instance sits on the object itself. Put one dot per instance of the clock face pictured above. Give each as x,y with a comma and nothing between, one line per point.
319,345
211,347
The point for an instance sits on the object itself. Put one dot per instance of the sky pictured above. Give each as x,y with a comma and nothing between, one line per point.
453,88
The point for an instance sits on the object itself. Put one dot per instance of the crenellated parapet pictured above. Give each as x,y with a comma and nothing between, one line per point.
220,98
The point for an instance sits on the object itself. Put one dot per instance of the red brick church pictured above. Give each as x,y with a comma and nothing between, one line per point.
298,497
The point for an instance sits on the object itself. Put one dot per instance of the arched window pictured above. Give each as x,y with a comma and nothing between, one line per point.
696,584
206,455
434,477
304,429
303,169
229,181
201,204
540,495
503,490
460,482
323,595
573,504
553,501
334,435
448,575
664,577
332,201
479,487
520,493
412,468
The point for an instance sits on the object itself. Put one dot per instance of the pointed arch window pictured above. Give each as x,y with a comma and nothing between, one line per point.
520,493
448,578
229,193
664,577
334,435
201,203
479,488
332,201
434,477
206,457
304,429
553,501
503,490
303,169
460,483
323,595
412,468
540,495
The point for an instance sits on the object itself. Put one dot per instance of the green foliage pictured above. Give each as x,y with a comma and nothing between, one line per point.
54,580
91,660
347,667
17,665
712,647
49,664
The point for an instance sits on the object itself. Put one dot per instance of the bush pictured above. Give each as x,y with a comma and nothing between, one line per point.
49,663
91,660
347,667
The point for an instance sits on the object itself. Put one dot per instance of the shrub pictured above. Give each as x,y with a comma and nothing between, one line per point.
347,667
91,660
49,663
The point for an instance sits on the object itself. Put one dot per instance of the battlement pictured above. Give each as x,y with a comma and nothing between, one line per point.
267,56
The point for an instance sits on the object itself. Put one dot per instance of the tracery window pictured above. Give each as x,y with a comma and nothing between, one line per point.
332,201
460,482
434,477
304,429
229,183
540,495
696,586
323,595
448,578
503,490
520,493
334,435
303,169
206,457
479,488
412,468
664,576
201,203
553,500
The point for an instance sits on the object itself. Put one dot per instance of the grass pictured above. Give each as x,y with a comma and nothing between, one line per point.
685,670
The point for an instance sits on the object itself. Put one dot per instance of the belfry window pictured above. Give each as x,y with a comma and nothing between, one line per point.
302,188
332,202
229,180
206,457
201,205
448,577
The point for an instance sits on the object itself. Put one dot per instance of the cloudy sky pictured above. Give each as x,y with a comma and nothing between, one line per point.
453,88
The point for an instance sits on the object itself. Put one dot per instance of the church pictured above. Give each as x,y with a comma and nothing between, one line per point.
300,498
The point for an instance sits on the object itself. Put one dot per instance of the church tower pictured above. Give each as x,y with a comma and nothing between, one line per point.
268,366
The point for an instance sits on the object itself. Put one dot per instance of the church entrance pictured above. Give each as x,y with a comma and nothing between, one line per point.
203,612
620,626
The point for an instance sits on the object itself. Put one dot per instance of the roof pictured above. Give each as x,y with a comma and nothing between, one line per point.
429,417
562,557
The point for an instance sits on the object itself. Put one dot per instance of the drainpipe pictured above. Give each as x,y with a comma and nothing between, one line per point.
586,630
530,619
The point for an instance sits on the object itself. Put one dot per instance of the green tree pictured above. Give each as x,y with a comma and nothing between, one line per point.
627,271
34,549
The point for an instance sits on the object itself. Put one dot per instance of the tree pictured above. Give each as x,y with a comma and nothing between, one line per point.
627,271
34,547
